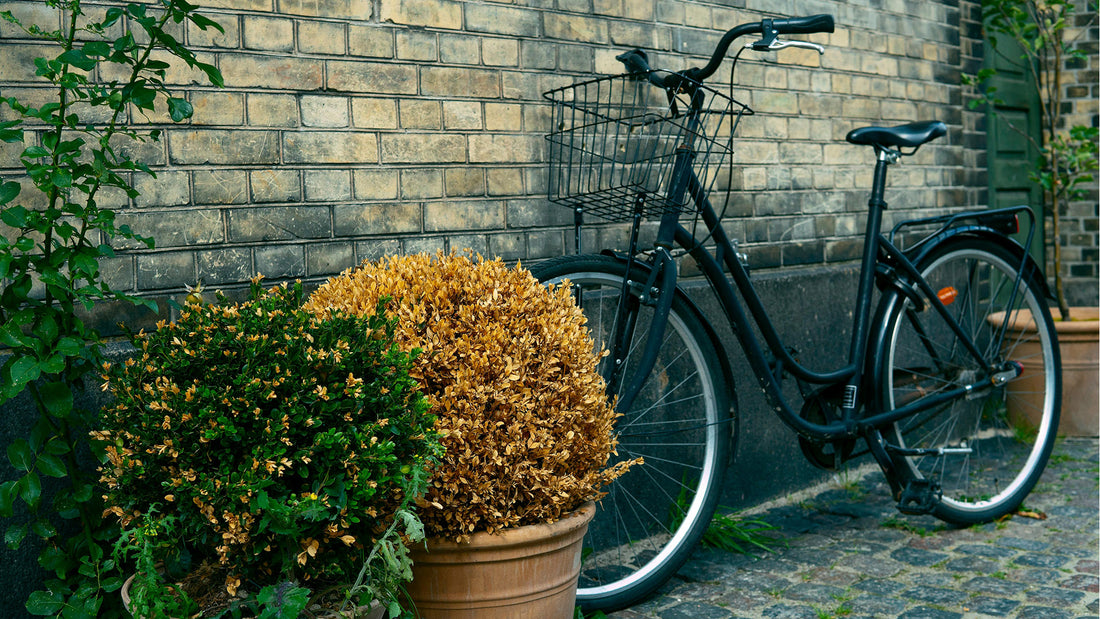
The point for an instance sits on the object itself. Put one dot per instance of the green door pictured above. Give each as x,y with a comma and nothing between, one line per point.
1011,156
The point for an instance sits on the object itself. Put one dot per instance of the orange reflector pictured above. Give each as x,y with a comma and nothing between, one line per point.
947,295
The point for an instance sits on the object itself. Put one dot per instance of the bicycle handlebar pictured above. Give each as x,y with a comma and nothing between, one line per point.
637,62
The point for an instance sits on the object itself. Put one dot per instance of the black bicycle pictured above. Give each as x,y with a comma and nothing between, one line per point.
952,396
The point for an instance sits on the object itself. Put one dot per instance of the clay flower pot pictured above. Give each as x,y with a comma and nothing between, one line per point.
1078,340
528,572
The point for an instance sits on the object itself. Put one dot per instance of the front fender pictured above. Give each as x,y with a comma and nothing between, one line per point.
723,357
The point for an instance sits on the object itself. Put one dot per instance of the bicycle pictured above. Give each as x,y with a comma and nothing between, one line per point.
932,372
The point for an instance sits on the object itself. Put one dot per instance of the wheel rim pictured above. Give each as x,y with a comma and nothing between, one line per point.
989,281
637,428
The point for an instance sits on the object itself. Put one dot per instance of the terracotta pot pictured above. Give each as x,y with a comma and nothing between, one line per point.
1079,344
529,572
374,611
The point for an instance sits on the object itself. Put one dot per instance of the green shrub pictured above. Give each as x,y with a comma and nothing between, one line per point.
267,444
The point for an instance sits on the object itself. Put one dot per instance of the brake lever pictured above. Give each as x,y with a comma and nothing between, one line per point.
777,45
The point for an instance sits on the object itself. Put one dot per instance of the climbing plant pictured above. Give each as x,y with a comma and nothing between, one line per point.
102,67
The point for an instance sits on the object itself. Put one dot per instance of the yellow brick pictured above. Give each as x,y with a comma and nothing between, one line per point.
379,184
217,108
421,183
416,45
461,115
464,182
374,113
337,9
500,52
330,147
269,34
282,72
503,117
370,41
445,14
458,82
423,148
275,185
371,77
272,110
321,37
417,114
324,111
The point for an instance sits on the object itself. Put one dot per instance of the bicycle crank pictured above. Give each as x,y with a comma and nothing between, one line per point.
823,407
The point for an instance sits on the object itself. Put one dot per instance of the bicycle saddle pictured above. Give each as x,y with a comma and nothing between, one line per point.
910,135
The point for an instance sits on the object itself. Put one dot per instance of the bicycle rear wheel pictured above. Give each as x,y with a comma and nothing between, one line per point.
996,440
651,519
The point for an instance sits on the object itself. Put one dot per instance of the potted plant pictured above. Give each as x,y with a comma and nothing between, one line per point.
1041,30
510,372
262,459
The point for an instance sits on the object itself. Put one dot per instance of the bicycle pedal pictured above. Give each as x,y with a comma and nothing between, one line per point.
919,497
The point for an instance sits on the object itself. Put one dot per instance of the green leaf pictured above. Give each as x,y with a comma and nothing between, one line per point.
45,603
30,490
78,59
58,398
179,109
43,529
52,466
20,454
14,216
7,498
24,370
14,536
8,192
100,49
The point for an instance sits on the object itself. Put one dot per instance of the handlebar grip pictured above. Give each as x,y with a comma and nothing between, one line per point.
804,25
635,61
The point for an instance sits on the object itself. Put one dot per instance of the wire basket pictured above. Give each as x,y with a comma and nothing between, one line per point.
615,141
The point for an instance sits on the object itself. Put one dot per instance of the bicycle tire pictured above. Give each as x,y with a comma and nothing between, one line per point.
1005,433
680,423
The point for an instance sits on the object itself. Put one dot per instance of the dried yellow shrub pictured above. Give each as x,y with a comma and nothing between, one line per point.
509,369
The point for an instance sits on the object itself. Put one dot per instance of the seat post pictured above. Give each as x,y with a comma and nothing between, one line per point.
884,157
876,205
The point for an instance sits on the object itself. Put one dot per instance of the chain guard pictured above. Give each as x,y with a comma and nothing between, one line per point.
822,407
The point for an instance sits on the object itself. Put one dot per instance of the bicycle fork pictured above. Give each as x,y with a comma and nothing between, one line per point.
657,292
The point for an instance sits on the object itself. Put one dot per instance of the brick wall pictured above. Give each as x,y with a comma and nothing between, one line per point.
348,129
1080,221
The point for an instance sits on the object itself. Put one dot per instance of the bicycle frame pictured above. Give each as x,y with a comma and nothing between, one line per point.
879,251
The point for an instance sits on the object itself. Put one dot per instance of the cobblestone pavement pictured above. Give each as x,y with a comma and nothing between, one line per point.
850,554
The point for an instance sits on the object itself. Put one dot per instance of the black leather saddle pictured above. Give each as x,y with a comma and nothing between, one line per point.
911,135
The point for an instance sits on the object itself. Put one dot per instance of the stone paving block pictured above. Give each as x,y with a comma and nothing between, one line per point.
972,564
1042,560
697,610
1043,612
935,595
993,586
918,557
1021,543
926,612
786,611
880,586
997,607
876,606
1051,596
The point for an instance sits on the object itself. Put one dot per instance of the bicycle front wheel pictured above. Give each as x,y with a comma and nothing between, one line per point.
652,517
993,443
